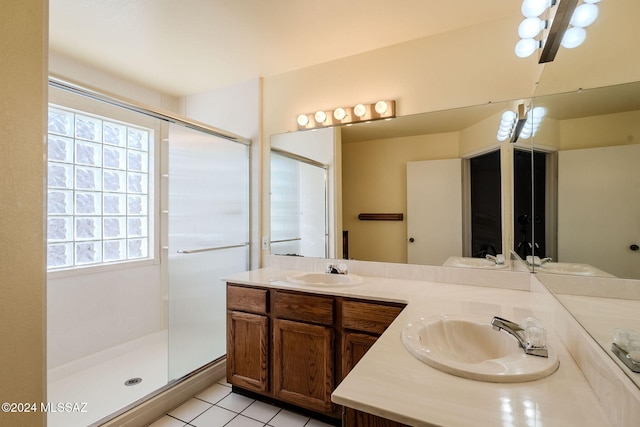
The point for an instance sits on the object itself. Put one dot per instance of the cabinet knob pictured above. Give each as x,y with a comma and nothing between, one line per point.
411,239
634,247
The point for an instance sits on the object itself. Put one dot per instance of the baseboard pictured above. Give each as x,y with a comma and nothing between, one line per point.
145,412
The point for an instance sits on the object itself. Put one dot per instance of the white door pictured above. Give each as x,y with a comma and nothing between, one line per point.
434,211
599,208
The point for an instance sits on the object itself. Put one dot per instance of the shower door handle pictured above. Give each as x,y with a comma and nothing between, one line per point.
216,248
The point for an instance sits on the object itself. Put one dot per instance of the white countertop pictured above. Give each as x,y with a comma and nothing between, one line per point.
391,383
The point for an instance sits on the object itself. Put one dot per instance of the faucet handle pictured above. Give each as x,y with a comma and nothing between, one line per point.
536,336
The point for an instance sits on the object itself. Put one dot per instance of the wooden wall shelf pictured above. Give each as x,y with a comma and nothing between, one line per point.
381,217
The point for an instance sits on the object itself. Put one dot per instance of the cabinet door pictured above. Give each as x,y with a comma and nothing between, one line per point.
354,346
353,418
247,350
303,364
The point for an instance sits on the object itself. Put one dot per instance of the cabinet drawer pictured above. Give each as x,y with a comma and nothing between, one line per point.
304,308
241,298
368,316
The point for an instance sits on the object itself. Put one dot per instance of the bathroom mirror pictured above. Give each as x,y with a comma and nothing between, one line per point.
600,119
373,180
590,141
591,94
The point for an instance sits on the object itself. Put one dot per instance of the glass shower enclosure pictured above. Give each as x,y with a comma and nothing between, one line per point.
122,328
208,239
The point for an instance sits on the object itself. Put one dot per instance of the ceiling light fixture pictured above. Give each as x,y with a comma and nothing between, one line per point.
567,29
348,115
520,123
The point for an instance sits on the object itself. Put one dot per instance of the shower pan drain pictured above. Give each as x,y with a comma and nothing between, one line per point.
133,381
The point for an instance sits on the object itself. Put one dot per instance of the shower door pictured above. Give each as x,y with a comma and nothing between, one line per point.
208,223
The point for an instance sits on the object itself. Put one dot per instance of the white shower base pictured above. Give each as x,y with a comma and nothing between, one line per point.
98,380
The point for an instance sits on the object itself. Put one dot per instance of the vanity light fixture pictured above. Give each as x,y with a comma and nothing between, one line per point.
303,120
507,124
359,110
381,110
320,116
567,29
520,124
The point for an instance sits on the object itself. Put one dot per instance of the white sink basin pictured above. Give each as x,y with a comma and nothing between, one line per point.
473,263
470,348
324,279
569,268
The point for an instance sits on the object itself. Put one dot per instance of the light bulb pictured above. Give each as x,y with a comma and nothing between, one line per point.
573,37
584,15
303,120
381,107
533,8
320,116
526,47
538,112
502,138
530,27
508,116
359,110
339,113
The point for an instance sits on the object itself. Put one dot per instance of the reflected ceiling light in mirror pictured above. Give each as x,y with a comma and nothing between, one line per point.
531,125
526,47
531,27
582,17
385,109
535,8
568,21
574,37
520,123
507,123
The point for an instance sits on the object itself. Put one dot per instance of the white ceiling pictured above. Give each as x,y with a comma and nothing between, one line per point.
182,47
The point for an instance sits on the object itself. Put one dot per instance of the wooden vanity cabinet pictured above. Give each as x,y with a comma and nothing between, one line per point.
247,338
362,323
303,350
353,418
297,346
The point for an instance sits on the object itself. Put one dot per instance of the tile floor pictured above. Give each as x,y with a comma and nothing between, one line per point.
217,406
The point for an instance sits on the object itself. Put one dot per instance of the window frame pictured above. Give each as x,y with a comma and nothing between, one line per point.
87,107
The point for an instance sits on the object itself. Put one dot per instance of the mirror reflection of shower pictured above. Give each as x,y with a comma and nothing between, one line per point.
299,224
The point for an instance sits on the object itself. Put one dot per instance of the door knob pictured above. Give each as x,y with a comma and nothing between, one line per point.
634,247
411,239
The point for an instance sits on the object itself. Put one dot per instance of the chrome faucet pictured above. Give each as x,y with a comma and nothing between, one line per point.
498,259
537,348
535,260
337,268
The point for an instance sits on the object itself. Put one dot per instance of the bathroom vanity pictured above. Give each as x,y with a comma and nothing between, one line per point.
337,350
297,346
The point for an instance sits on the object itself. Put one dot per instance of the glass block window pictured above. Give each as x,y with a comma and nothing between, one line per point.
98,190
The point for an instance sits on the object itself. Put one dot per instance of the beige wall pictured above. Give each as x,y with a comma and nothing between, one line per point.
375,181
465,67
23,91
